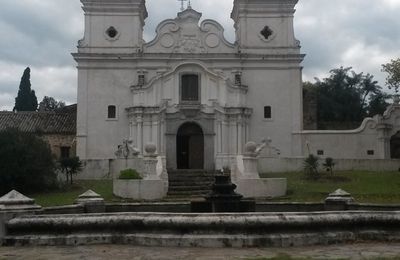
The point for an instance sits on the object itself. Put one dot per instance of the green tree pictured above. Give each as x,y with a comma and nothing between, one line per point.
26,163
368,86
339,97
26,99
347,97
377,103
70,166
393,70
50,104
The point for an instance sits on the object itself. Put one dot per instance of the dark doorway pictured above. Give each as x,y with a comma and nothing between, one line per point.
190,147
395,146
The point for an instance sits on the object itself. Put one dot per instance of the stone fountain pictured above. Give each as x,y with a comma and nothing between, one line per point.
223,198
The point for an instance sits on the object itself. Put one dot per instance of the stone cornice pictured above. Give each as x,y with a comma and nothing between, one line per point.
262,7
115,7
80,57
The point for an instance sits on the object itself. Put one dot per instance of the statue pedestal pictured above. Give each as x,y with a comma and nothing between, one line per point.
249,183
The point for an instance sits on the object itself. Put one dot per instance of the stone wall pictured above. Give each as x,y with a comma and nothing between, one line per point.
296,164
56,141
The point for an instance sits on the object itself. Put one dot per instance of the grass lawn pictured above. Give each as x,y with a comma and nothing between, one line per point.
372,187
69,194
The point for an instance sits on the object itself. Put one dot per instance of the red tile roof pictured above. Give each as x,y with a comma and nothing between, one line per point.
62,121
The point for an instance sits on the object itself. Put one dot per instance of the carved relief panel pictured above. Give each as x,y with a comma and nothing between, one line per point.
184,35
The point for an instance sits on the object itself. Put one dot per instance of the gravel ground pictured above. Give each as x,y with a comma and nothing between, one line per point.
114,252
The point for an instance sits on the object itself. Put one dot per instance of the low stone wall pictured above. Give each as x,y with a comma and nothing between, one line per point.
268,187
205,230
296,164
139,189
68,209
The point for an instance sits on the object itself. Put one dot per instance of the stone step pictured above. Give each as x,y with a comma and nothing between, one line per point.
191,175
190,188
188,193
190,182
193,180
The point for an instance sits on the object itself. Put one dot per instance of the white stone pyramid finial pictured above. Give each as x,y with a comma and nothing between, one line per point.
17,201
89,194
14,198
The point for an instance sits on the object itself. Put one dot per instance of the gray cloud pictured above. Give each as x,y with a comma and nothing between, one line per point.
361,34
42,34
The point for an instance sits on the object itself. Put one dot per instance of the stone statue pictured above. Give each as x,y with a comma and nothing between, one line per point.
126,149
253,149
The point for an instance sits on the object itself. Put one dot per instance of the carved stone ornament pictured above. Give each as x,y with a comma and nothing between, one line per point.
190,44
212,40
127,149
184,35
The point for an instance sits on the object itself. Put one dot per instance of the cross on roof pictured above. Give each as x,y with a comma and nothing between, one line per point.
182,6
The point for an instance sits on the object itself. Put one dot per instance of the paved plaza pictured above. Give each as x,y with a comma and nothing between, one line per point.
349,251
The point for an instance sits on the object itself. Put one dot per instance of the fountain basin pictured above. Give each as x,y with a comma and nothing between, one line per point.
205,230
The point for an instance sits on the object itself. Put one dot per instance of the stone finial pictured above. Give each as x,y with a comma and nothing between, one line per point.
250,147
339,196
150,148
253,149
92,202
16,200
89,196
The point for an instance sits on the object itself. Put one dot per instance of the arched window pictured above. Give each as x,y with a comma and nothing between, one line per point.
112,112
190,87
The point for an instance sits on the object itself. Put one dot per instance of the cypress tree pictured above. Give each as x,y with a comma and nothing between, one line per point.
26,99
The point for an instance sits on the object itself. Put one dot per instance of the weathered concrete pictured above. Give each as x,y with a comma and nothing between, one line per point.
139,189
267,187
205,230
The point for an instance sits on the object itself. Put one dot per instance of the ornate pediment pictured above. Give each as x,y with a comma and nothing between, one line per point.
184,35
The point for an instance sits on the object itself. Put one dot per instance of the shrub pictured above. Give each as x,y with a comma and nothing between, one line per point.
129,174
26,163
329,164
310,166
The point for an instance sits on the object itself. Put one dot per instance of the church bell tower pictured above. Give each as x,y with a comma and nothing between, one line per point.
265,26
113,25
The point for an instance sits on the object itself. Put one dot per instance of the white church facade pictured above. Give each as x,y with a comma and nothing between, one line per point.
198,98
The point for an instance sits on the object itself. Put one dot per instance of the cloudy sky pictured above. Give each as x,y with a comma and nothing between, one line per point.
41,34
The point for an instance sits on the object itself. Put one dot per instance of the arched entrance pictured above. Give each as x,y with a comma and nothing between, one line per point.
395,146
190,147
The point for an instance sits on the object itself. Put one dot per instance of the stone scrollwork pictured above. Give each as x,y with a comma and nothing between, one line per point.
253,149
127,149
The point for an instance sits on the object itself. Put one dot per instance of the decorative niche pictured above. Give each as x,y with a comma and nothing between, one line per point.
267,34
112,34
